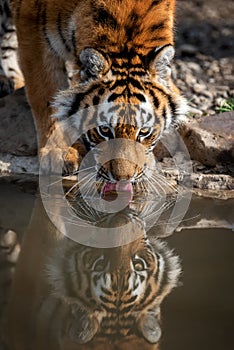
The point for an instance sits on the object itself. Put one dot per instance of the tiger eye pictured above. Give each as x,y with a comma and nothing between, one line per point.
104,129
145,131
99,266
138,265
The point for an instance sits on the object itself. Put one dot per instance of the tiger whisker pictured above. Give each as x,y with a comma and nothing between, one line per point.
82,170
70,190
153,188
156,183
157,178
83,187
57,181
62,217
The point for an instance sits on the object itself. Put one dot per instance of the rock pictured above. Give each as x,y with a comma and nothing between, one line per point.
189,50
195,111
210,140
199,87
195,67
11,164
168,145
17,131
213,182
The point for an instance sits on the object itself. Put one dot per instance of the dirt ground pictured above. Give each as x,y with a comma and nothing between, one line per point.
205,52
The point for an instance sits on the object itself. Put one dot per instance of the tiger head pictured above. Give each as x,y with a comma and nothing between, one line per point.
114,292
127,97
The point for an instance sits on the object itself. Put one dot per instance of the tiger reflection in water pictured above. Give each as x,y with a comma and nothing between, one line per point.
79,297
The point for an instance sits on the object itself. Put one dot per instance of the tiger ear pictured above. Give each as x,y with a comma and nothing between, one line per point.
93,63
149,327
82,326
162,61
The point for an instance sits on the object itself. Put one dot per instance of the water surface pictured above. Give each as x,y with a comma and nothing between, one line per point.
198,313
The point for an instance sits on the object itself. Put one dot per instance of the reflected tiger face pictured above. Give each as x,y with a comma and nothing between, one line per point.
118,291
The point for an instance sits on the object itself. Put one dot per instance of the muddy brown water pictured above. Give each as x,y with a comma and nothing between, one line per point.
197,314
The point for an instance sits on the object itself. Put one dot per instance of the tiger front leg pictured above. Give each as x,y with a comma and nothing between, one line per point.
45,74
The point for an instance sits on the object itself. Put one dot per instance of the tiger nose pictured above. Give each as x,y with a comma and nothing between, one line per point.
122,169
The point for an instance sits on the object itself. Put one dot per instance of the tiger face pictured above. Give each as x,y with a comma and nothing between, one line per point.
126,97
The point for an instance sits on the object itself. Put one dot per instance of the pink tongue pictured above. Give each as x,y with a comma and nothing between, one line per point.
118,187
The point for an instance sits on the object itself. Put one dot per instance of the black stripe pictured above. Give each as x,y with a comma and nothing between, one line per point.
129,31
158,38
74,42
102,16
118,83
133,18
119,71
9,30
38,6
156,27
44,29
154,3
113,97
106,291
60,32
164,114
103,38
12,70
137,72
140,97
111,310
78,99
147,294
86,143
155,99
96,100
101,91
135,83
150,117
172,104
130,300
18,7
76,104
9,48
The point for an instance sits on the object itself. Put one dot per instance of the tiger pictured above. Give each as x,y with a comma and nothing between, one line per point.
121,53
11,77
68,295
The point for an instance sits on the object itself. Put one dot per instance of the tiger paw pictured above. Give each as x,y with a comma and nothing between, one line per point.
9,246
71,161
9,253
58,160
82,325
6,86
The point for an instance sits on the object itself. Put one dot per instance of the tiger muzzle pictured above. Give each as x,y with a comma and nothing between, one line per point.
121,160
121,170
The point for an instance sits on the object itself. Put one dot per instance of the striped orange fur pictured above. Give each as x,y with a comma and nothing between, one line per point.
121,51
